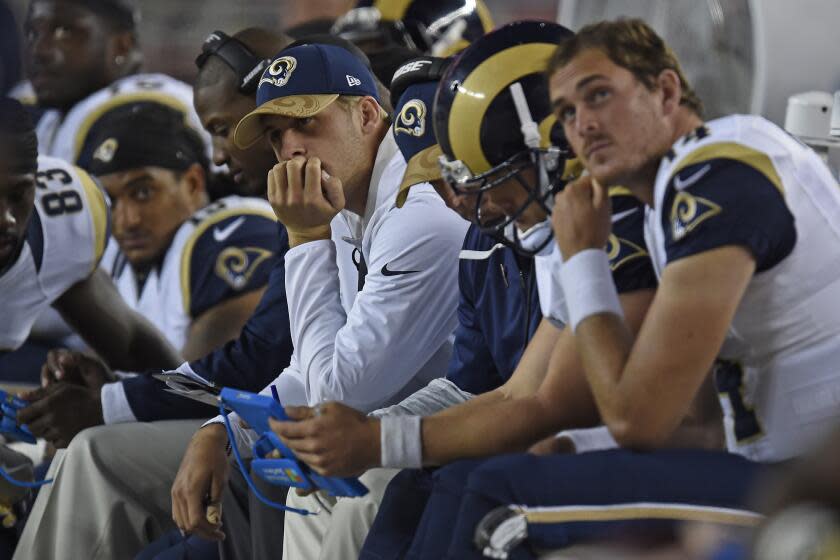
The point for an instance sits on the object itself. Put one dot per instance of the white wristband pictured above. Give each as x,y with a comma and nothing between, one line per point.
401,442
588,286
589,439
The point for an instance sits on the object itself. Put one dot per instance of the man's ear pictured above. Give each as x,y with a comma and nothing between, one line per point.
123,57
194,181
371,113
671,88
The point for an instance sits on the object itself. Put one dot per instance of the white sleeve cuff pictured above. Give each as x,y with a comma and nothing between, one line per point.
245,438
115,407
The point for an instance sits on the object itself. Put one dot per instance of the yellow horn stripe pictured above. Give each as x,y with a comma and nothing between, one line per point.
477,92
392,10
122,99
485,16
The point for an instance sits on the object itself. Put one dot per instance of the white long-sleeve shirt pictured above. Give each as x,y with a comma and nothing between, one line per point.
372,348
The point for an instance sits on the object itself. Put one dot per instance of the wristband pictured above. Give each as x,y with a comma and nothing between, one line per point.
401,442
305,235
588,285
589,439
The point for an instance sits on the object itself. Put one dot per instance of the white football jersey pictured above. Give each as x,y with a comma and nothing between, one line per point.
65,241
225,249
744,179
63,135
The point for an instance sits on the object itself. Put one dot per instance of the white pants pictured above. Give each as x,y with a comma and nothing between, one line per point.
338,533
111,492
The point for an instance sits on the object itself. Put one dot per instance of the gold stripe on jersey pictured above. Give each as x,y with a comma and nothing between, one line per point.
620,191
117,101
681,512
759,161
469,108
207,223
98,211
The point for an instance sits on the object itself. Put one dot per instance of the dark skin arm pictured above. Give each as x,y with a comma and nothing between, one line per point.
61,410
219,324
124,339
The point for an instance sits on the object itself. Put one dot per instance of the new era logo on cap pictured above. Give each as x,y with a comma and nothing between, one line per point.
353,81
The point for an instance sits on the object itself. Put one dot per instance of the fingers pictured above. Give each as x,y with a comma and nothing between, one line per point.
312,193
196,518
300,412
48,376
333,192
292,430
177,512
277,185
294,181
599,194
41,403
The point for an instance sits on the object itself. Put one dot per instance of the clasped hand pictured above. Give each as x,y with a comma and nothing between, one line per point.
305,198
333,439
581,217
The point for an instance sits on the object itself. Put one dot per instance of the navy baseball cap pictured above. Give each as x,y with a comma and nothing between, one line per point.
301,82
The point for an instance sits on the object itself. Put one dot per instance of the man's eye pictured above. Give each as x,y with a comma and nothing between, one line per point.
304,122
567,114
61,32
142,194
599,95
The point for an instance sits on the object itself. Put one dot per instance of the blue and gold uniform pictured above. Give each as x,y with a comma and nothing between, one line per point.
65,241
741,180
224,250
736,181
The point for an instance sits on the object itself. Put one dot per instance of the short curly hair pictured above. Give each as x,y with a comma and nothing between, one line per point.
17,129
631,44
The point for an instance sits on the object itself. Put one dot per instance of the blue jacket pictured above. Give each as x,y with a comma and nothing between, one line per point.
263,349
498,312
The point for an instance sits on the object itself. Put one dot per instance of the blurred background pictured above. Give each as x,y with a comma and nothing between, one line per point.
172,31
744,56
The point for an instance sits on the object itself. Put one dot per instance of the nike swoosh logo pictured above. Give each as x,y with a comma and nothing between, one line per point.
683,184
220,234
622,215
386,272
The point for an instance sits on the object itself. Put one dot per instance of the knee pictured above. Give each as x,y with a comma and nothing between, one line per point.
496,479
453,477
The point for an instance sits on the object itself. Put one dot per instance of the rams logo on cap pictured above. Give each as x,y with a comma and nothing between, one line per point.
412,118
279,72
106,150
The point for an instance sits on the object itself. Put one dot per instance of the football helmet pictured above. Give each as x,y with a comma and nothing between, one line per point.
435,27
493,121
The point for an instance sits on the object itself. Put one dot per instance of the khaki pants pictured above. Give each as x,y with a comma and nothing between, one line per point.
110,495
338,533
